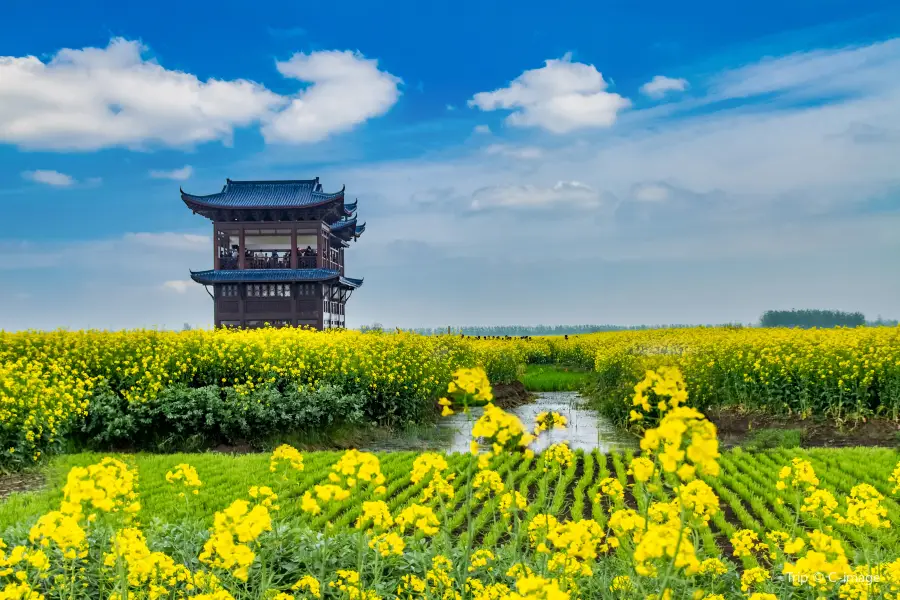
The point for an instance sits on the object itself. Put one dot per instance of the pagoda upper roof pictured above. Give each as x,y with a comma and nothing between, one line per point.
272,275
297,193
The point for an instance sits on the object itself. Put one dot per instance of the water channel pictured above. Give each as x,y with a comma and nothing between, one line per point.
587,430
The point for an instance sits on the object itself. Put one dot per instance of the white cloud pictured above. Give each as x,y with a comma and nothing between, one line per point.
846,69
54,178
345,89
482,129
101,97
529,196
560,97
181,174
661,85
520,152
179,286
450,107
650,192
96,98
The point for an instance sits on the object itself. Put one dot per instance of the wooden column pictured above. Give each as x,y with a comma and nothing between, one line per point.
242,262
216,252
294,249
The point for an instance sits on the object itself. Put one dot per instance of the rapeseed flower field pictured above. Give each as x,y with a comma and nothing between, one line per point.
48,381
678,519
843,374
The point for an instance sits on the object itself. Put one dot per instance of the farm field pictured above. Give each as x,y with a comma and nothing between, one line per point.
193,390
573,493
746,488
678,519
674,518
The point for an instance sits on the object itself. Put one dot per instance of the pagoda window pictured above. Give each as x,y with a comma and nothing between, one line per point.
268,290
228,290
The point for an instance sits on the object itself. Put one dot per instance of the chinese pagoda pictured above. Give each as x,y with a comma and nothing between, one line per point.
278,253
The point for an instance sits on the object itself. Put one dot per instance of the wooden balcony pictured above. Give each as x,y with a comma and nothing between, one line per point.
269,259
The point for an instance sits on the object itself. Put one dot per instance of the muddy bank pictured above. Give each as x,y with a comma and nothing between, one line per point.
511,395
736,428
19,482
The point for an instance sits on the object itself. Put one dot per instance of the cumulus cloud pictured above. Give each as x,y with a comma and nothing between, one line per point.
345,89
96,98
519,152
661,85
482,129
114,96
181,174
54,178
530,196
561,96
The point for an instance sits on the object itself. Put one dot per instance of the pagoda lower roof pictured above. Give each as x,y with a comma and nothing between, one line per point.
298,193
272,275
347,228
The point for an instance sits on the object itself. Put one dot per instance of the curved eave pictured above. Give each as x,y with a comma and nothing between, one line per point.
344,230
342,225
211,277
351,282
199,204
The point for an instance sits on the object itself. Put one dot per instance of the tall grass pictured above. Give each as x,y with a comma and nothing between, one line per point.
554,378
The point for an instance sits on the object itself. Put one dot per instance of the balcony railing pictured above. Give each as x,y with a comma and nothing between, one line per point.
268,259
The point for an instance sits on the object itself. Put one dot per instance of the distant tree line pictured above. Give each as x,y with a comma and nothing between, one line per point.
879,322
535,330
806,319
772,318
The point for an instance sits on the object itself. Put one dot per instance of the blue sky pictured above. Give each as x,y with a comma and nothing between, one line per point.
611,162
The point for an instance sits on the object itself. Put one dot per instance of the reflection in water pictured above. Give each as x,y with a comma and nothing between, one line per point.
587,430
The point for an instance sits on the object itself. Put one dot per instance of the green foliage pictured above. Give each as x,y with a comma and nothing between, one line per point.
811,318
194,418
767,439
554,378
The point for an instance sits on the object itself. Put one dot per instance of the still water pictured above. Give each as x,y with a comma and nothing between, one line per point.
586,430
